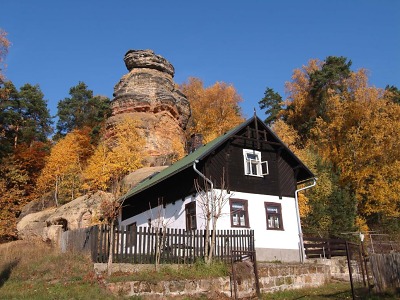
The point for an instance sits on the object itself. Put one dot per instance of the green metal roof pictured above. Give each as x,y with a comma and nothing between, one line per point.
185,162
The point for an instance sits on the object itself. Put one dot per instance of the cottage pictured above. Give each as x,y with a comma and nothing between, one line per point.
260,179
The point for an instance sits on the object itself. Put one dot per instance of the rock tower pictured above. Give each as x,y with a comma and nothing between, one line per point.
149,95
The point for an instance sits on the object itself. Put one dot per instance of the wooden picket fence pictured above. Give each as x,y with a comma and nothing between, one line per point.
140,245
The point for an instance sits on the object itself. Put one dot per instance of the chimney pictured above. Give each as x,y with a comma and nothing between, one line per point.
195,142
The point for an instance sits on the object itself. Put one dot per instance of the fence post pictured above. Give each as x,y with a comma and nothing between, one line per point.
350,272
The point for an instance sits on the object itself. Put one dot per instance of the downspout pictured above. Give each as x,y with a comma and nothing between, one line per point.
296,199
209,181
212,205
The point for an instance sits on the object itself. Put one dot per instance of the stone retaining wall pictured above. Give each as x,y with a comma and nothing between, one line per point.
272,278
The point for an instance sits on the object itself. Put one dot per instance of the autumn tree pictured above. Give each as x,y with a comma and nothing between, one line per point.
215,109
310,89
32,159
13,181
18,175
354,129
298,112
362,139
330,79
25,124
82,109
62,173
117,154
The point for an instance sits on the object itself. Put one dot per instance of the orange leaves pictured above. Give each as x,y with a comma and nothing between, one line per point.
361,136
74,164
215,109
353,126
298,90
116,155
64,166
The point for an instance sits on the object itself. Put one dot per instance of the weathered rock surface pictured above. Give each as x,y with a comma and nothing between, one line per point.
79,213
46,224
32,225
149,95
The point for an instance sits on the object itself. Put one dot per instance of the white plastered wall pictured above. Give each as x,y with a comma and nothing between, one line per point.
264,238
173,216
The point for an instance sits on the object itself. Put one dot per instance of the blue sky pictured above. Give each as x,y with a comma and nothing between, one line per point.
249,44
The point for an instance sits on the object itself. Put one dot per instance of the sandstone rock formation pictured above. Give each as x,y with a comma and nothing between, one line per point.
149,95
45,225
79,213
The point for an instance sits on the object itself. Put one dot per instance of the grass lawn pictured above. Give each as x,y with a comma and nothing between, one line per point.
38,271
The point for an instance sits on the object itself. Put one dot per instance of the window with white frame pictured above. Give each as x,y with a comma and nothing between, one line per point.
253,165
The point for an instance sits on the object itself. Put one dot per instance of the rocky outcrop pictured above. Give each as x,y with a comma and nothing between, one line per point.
45,225
149,95
32,225
79,213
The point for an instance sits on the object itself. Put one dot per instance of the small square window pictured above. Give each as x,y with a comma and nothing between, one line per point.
274,216
239,213
253,166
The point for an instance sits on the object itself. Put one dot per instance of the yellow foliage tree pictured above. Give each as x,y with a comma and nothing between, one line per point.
63,169
300,109
117,154
354,128
215,109
362,138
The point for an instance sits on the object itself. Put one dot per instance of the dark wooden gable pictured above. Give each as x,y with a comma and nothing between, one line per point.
280,181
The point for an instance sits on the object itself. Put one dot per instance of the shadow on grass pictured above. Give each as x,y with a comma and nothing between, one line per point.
6,270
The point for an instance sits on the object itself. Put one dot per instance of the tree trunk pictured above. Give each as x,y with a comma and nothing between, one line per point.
207,241
213,236
110,253
56,192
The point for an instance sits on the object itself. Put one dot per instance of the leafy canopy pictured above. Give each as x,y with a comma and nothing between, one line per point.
215,109
24,117
82,109
352,130
117,154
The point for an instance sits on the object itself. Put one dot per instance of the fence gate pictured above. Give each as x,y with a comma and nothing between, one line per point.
357,264
241,262
359,270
